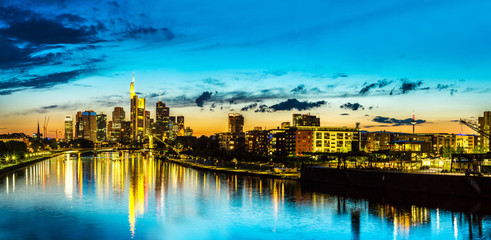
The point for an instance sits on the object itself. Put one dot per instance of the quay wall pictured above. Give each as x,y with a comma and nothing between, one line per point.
457,185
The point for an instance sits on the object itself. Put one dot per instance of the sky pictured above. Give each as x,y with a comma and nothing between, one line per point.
373,62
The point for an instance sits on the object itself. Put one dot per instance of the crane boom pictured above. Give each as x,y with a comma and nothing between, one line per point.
476,128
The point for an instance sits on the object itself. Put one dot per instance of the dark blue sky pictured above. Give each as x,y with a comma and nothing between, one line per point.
346,61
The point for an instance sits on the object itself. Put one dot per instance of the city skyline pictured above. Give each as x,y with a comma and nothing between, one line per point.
210,60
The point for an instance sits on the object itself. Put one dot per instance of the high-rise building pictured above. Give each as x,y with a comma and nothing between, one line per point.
118,118
79,126
180,126
126,132
305,120
148,123
161,119
188,132
89,125
101,127
138,128
68,128
485,126
235,123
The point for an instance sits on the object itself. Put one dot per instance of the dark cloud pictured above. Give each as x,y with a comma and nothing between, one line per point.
379,84
205,96
442,87
40,82
395,121
49,107
291,104
12,56
408,86
352,106
250,106
213,81
454,120
344,114
134,31
276,73
44,31
300,89
287,105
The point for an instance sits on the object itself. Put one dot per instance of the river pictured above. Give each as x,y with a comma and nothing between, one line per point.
135,196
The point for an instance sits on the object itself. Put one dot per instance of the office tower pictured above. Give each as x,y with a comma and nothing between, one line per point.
485,126
285,125
161,119
79,126
68,128
188,132
89,125
101,127
148,123
126,132
235,123
180,126
137,115
119,116
305,120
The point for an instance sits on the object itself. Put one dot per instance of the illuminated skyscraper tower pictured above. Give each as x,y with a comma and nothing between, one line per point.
235,123
68,128
137,114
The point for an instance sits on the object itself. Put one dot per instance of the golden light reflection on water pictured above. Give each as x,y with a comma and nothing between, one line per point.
146,187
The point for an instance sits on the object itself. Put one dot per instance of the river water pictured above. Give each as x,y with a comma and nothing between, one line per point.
135,196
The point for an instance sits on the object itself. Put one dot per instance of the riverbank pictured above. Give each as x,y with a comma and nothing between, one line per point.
292,176
6,169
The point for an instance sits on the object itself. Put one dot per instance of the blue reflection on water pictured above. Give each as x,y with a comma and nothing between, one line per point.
138,197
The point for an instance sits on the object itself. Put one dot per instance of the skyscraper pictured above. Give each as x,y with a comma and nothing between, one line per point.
89,124
161,119
68,128
79,126
118,118
180,126
235,123
101,127
138,127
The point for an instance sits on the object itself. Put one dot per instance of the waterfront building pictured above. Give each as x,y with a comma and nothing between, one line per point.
161,119
235,123
484,123
458,142
19,137
114,126
257,141
126,132
277,143
232,141
68,128
89,125
137,115
325,139
79,127
101,127
305,120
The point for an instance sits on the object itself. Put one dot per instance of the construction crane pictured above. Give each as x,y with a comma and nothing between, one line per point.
56,131
476,128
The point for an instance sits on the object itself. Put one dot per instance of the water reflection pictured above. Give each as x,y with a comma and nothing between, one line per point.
133,195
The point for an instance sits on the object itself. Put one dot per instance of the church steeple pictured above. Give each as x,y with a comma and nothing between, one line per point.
38,134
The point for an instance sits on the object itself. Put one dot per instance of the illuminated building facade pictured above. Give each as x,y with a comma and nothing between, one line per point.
137,116
161,119
485,126
101,127
89,125
68,128
79,126
235,123
305,120
180,126
257,141
118,117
